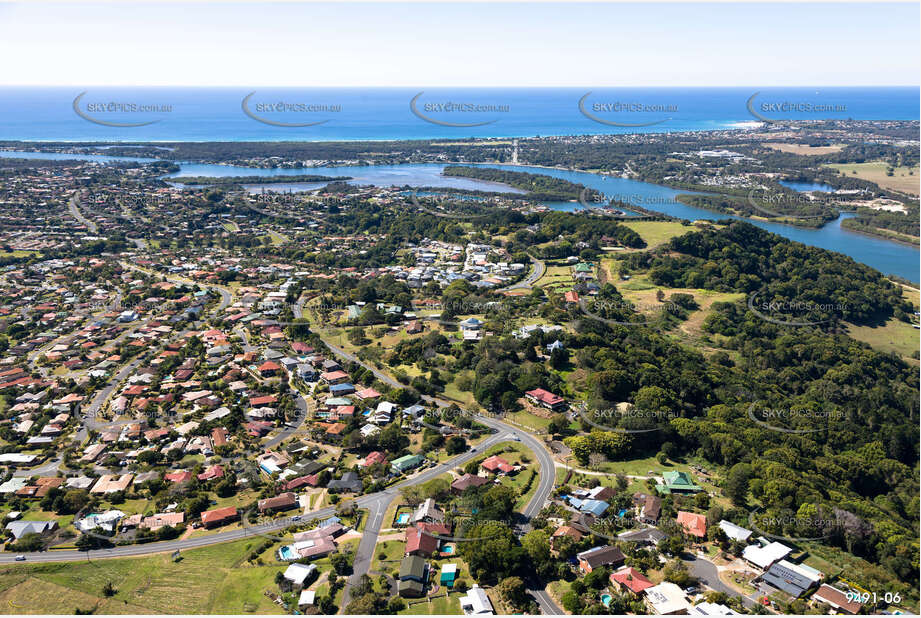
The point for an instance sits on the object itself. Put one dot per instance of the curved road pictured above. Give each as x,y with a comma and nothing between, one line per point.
544,486
528,282
376,503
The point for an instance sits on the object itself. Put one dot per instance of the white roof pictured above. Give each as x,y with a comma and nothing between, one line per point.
307,597
712,609
476,602
449,568
734,532
297,573
667,598
765,556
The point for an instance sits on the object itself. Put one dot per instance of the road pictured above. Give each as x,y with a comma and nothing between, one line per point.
505,432
376,503
531,279
707,573
293,425
73,206
378,507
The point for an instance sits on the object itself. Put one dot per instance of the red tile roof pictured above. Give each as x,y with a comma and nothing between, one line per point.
631,579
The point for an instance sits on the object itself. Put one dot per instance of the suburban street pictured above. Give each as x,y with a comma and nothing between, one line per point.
525,284
547,468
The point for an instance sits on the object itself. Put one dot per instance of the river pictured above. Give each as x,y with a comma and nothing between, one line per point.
886,256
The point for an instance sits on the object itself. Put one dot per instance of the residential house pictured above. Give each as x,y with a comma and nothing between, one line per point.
606,555
666,599
693,524
476,603
546,399
837,599
794,579
628,579
406,463
466,481
281,502
349,483
764,557
220,517
675,482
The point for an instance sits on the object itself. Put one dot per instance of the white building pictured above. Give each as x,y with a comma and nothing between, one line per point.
476,603
763,557
734,532
667,598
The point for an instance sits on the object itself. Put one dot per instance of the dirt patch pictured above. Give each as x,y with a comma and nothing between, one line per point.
804,149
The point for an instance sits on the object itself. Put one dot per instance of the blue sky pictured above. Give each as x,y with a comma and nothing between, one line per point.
418,44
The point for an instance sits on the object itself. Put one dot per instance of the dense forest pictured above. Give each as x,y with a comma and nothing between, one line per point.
744,258
849,461
538,186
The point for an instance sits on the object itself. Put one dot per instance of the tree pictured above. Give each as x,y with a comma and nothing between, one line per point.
537,544
496,554
369,603
455,445
572,602
676,571
342,563
512,590
737,482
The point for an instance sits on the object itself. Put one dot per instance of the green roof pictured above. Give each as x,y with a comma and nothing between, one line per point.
412,566
677,481
406,462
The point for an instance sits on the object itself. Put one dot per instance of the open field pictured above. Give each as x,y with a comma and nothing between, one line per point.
904,179
895,336
657,232
208,580
804,149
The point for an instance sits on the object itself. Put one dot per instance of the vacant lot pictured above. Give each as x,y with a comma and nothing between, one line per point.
894,336
904,179
210,580
657,232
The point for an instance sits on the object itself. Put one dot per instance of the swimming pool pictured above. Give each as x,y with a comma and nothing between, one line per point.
403,518
287,553
606,599
448,549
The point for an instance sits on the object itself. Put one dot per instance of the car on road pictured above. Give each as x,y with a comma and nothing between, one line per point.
296,518
516,438
20,558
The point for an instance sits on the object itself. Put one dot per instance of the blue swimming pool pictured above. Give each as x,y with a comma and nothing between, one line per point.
403,518
606,599
287,553
448,549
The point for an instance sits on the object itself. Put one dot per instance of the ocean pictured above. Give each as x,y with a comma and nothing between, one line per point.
95,114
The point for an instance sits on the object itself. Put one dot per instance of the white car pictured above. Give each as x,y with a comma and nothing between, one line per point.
20,558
